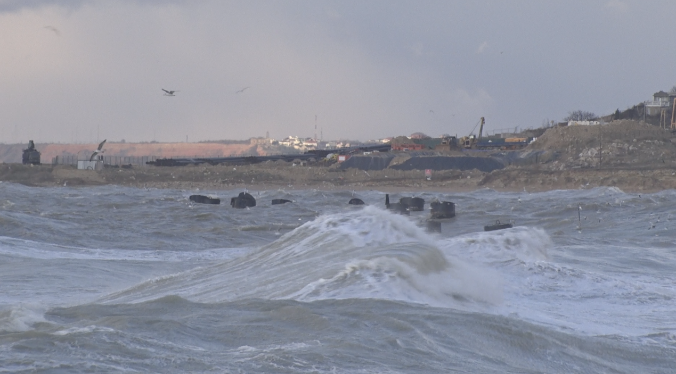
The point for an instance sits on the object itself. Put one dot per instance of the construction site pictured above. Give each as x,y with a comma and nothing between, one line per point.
631,155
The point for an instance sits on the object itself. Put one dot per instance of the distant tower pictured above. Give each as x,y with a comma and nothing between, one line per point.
315,127
267,135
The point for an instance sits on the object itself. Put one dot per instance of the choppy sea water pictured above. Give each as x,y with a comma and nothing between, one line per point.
108,279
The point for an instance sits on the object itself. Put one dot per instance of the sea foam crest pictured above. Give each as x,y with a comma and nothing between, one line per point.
519,244
368,253
20,318
365,227
425,277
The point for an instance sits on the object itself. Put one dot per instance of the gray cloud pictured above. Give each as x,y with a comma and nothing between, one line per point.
366,69
17,5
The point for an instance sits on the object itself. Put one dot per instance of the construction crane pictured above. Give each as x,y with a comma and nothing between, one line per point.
470,141
481,129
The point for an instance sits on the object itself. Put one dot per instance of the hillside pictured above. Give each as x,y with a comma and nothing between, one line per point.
618,144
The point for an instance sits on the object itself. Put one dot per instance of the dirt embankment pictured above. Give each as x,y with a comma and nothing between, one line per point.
272,175
619,144
321,177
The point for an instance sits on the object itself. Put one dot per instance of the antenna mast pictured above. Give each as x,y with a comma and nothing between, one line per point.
673,117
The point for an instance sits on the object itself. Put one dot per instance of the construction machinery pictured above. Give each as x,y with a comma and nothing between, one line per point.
493,142
469,142
448,143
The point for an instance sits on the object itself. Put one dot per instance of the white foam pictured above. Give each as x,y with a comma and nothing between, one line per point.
393,279
370,253
21,318
82,330
520,244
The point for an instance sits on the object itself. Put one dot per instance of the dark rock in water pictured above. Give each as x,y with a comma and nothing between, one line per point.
201,199
355,201
413,204
243,200
498,226
396,207
444,209
280,201
433,226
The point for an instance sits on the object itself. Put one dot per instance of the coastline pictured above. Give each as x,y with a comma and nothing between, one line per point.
633,156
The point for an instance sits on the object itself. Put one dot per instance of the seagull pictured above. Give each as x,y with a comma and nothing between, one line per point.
169,93
242,90
54,29
97,151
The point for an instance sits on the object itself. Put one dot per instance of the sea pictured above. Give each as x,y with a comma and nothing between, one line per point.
118,279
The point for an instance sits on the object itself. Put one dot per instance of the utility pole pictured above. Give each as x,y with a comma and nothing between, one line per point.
644,110
673,116
600,145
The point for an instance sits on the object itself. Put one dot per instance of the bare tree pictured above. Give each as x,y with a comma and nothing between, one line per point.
580,115
673,90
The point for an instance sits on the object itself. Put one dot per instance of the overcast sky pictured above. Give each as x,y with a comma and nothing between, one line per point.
82,71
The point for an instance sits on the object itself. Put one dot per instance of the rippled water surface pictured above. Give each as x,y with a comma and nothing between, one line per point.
110,279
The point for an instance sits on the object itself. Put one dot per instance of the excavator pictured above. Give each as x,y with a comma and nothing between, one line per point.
469,142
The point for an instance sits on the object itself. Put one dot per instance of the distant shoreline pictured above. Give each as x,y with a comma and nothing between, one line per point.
633,156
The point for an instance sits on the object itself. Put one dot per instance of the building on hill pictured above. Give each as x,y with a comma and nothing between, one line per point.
661,101
657,112
308,144
303,145
290,141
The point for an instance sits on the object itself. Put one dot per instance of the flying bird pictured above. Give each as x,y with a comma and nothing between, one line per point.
169,93
242,90
97,151
54,29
